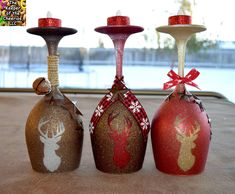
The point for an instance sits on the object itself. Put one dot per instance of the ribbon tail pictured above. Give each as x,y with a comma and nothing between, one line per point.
167,85
170,84
192,74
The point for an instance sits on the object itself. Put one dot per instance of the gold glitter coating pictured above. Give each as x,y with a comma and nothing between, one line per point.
71,141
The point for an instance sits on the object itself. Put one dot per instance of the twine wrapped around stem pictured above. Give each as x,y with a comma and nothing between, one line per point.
53,76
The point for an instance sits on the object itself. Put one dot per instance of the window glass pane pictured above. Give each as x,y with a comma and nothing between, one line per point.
87,58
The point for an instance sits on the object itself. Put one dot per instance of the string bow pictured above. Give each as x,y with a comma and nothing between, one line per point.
176,79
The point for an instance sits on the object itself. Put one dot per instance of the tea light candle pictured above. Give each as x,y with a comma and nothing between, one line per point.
180,18
49,21
118,20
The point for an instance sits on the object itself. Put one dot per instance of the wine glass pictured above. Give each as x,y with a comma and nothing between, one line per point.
119,126
181,129
54,129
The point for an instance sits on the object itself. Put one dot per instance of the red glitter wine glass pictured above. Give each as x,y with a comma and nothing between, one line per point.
181,128
119,126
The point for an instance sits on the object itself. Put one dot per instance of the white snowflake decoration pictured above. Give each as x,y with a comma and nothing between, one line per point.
144,124
91,127
135,106
99,110
109,96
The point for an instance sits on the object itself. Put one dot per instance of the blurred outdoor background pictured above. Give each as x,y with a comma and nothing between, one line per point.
87,58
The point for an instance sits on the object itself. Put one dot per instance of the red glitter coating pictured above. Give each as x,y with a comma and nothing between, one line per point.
180,134
179,19
118,20
49,22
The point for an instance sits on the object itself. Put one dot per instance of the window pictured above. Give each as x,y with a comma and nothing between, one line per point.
87,58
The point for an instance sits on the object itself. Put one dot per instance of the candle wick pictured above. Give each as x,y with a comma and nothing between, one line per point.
118,13
49,15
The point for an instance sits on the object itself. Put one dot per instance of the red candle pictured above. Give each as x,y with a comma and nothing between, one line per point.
118,20
179,19
49,21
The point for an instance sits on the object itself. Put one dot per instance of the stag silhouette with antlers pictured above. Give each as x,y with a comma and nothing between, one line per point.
186,159
121,155
51,161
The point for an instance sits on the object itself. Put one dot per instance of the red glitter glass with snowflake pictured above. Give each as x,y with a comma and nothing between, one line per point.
181,128
119,126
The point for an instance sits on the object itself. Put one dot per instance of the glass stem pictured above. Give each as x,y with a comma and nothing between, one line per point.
181,45
119,43
53,58
53,75
181,39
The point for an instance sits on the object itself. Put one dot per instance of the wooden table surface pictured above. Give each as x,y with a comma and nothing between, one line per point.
17,176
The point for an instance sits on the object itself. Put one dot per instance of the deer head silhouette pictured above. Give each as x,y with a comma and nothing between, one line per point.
186,159
51,161
121,155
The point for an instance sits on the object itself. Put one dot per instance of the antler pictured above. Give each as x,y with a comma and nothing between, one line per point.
110,119
41,123
128,124
176,123
196,129
59,130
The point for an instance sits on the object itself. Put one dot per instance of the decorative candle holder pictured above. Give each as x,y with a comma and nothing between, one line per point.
54,129
119,126
181,128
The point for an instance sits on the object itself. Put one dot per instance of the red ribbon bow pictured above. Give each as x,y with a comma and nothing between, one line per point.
176,79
